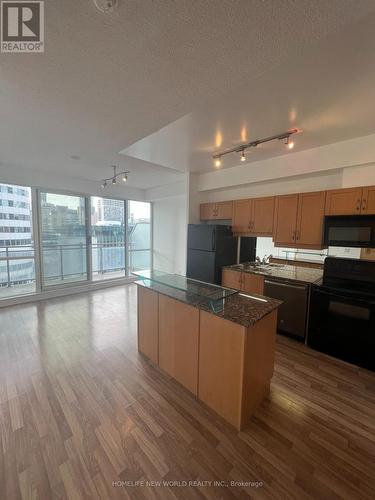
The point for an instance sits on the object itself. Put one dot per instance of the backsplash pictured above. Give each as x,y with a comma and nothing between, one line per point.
265,246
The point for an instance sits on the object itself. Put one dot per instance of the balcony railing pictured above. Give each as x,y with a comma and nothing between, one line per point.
64,262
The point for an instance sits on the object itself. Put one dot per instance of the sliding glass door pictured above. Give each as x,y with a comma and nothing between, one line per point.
139,235
107,238
63,239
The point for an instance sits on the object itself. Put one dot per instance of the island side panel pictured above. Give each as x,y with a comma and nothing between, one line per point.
148,323
259,358
221,354
178,341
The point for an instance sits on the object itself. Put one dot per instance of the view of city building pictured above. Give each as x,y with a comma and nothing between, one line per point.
119,233
16,237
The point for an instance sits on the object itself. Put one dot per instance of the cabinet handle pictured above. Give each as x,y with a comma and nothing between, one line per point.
364,205
358,205
297,235
293,235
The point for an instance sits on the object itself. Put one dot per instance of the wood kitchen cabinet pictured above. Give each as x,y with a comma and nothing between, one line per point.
310,219
254,216
231,279
368,200
285,220
179,341
241,216
148,314
216,211
344,201
246,282
262,211
299,220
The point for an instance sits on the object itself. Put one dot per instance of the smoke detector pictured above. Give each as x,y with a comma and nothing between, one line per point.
106,6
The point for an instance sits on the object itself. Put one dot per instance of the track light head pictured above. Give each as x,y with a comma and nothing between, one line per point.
218,162
243,156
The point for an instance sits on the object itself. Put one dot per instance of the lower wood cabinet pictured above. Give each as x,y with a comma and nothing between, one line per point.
246,282
252,283
231,279
235,365
179,341
148,313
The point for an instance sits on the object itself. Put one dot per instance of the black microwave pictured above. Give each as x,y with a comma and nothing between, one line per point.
349,231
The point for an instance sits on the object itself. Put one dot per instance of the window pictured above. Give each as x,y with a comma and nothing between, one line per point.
79,239
107,238
17,267
64,239
139,235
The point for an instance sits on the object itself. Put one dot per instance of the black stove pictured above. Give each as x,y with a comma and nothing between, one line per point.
342,311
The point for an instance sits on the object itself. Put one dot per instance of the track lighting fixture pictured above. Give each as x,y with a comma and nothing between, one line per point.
241,149
113,180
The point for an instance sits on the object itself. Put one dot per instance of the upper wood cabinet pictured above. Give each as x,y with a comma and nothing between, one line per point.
310,219
241,216
254,216
299,220
216,211
368,200
285,220
344,201
263,216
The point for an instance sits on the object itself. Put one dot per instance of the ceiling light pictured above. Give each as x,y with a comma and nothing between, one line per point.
113,179
242,148
106,6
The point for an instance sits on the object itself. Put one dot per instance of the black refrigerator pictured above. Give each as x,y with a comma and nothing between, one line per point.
211,247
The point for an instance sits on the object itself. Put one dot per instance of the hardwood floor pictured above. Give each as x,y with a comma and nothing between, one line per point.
82,415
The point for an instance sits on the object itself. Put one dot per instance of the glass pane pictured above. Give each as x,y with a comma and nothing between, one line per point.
63,238
139,235
17,274
108,238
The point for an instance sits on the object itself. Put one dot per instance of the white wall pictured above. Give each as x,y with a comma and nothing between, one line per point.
170,234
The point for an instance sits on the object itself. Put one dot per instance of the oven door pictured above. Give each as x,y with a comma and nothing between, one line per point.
342,326
350,231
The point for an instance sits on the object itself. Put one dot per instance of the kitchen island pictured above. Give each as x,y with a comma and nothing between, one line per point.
218,343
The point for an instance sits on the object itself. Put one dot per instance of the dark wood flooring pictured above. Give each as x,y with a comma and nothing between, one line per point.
83,415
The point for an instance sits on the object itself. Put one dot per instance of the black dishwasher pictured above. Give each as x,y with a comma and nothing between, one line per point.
292,314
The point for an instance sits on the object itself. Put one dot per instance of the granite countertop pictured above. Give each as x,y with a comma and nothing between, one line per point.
282,271
245,310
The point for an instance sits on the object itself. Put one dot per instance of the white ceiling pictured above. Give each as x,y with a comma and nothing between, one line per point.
188,69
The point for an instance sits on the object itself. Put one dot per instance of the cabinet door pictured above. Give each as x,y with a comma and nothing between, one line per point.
263,216
224,210
178,341
148,335
241,216
310,219
368,200
285,220
252,283
231,279
207,211
344,201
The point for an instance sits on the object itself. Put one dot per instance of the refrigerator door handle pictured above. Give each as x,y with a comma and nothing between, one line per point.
214,240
